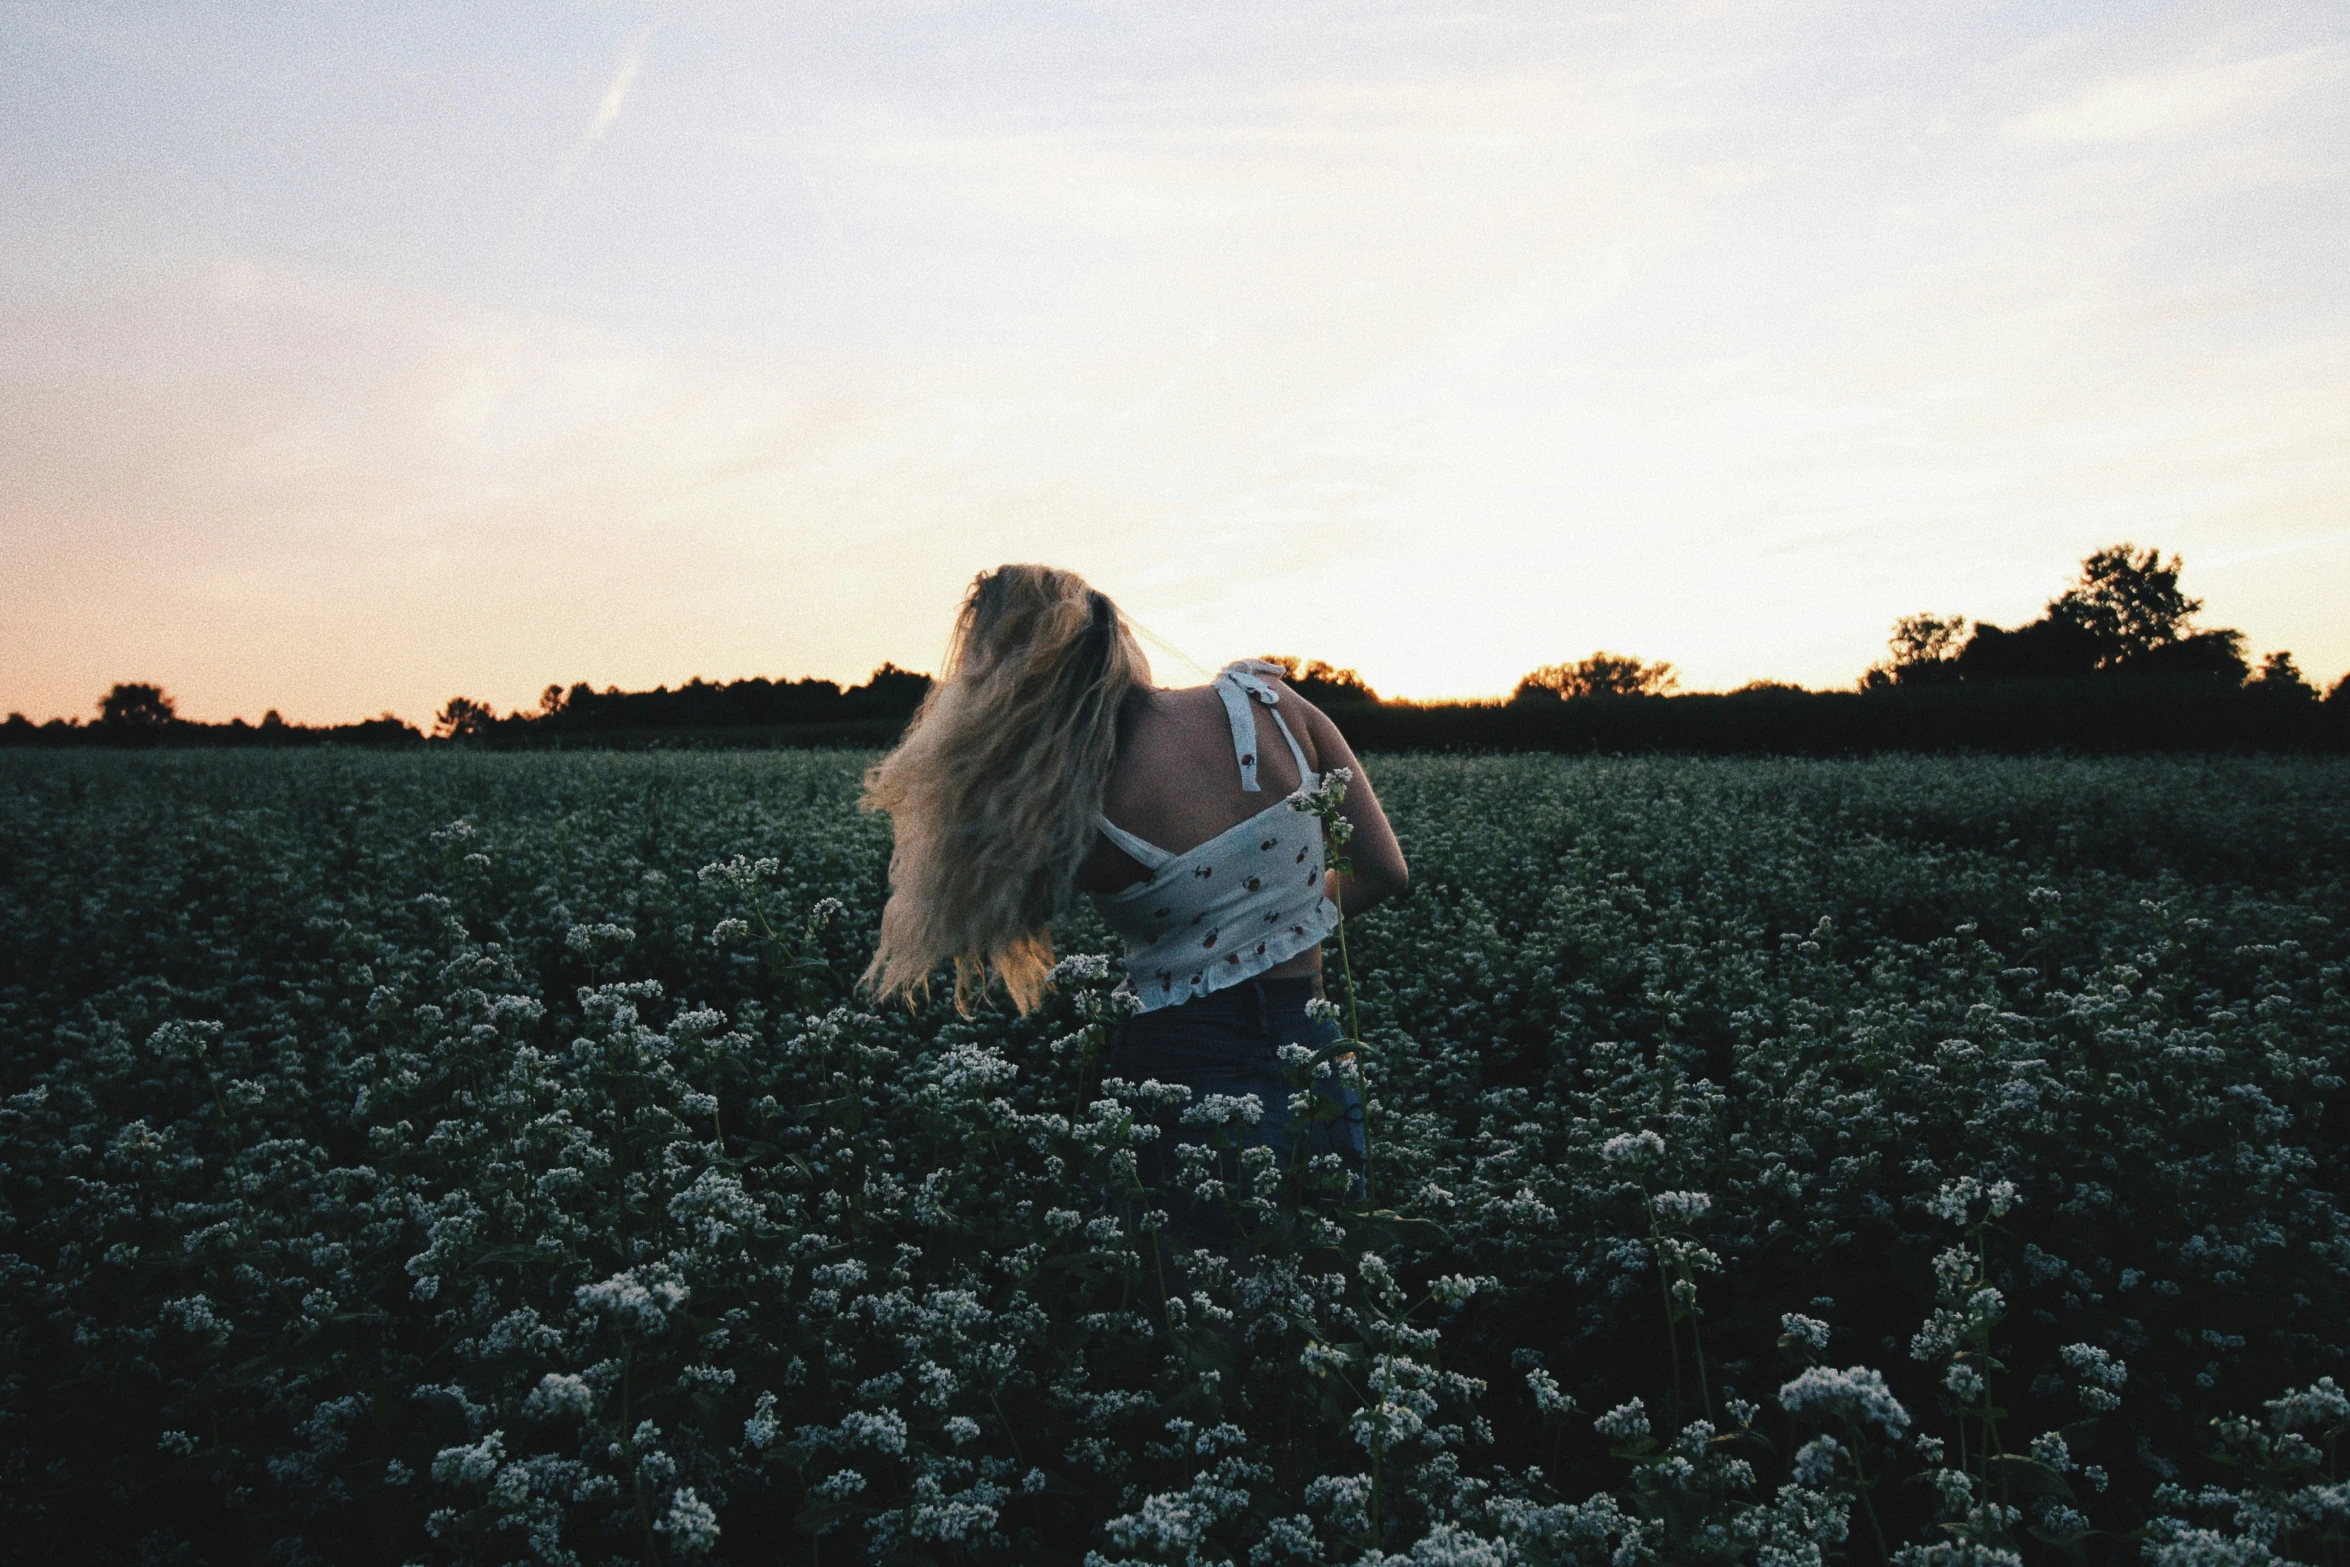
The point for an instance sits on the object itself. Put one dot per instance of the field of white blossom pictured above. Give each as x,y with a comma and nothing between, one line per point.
465,1157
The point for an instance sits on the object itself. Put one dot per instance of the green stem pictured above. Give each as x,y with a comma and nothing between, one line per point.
1865,1485
1379,1453
1354,1016
636,1471
1354,1026
1705,1392
1664,1288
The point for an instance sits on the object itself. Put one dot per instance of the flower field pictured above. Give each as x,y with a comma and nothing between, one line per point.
483,1157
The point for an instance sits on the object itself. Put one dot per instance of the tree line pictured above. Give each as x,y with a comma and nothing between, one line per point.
2115,662
136,715
750,712
2125,615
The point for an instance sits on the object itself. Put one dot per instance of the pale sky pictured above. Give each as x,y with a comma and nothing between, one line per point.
354,357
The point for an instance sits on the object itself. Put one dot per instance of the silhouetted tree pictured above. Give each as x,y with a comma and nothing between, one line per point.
2129,603
2204,655
2125,613
463,719
2280,677
136,709
888,692
2047,649
1319,683
1602,674
551,701
1924,649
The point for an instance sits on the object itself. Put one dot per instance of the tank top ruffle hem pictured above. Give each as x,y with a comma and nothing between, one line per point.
1248,899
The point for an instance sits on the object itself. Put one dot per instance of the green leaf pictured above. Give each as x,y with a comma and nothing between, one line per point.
1384,1227
2028,1475
1745,1437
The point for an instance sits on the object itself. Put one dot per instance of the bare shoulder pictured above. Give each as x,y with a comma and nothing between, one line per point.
1324,745
1158,734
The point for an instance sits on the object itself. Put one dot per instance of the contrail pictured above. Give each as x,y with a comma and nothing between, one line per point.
632,59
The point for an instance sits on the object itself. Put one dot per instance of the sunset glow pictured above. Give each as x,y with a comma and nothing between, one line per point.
350,360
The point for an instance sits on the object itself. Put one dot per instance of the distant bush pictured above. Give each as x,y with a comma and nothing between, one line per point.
1601,674
2090,715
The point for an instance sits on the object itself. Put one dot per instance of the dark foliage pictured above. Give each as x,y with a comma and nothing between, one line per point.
348,1098
1602,674
1321,684
2125,615
135,708
2087,715
175,732
2047,649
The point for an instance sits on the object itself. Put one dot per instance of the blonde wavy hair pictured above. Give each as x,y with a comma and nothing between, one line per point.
994,790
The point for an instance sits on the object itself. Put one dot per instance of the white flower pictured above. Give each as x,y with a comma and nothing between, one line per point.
1321,1359
1548,1397
2317,1407
469,1465
587,938
1454,1289
1083,968
1815,1461
2102,1376
760,1431
1808,1331
1682,1206
560,1393
1624,1422
641,1304
1857,1394
1220,1109
1632,1148
691,1523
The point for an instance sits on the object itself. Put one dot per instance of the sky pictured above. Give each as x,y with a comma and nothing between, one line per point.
353,357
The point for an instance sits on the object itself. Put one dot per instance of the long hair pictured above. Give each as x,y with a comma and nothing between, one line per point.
995,787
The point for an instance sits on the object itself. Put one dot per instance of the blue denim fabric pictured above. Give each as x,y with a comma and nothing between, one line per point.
1226,1043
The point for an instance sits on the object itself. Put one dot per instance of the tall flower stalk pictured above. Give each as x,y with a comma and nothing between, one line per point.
1327,805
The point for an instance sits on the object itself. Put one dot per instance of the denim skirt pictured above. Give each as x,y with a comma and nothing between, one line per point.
1227,1042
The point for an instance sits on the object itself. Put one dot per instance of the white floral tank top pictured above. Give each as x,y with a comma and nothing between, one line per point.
1247,899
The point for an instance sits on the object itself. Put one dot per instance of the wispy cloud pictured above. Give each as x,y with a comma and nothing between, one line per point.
1722,343
608,107
2167,104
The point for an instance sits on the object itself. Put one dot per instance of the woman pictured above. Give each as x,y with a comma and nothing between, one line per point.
1045,763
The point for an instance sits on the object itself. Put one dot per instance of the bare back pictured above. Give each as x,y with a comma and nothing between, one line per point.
1175,785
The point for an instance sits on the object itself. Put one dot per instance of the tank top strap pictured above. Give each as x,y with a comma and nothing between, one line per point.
1238,684
1305,774
1146,853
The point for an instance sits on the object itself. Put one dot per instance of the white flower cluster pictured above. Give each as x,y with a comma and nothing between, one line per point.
1857,1395
583,1212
